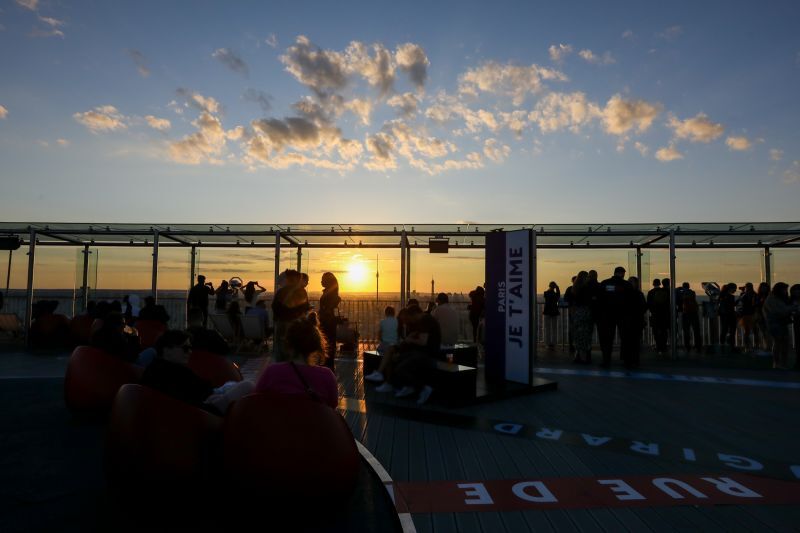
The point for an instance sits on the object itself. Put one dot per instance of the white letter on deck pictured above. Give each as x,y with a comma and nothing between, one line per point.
594,441
551,434
507,427
478,490
737,461
664,482
729,486
545,496
622,490
641,447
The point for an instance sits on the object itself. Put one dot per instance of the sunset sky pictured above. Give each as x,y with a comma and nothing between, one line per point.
400,112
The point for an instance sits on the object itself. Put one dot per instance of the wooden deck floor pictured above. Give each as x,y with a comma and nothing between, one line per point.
753,421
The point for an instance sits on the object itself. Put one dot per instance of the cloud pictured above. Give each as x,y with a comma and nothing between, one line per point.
556,111
696,129
381,148
33,5
140,61
198,101
447,107
668,153
62,142
590,57
774,154
559,51
642,148
507,80
411,58
263,99
406,102
792,174
673,32
360,107
3,112
320,70
628,34
516,121
102,118
231,60
377,68
160,124
495,150
51,29
204,146
738,144
271,40
621,116
409,143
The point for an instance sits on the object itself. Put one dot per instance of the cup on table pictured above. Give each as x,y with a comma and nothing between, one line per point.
450,358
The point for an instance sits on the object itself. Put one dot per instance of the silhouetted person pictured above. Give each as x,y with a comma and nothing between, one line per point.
614,309
252,291
447,317
582,321
637,310
778,314
794,299
658,305
760,333
204,339
747,312
198,297
223,297
328,316
477,304
569,298
727,315
690,318
550,312
153,311
290,303
110,336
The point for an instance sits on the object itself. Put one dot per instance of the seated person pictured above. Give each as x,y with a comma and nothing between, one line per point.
260,310
302,372
204,339
387,337
414,358
109,334
169,373
152,311
447,316
48,328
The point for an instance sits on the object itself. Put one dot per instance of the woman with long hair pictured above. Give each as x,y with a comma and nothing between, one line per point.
252,291
328,303
583,320
301,372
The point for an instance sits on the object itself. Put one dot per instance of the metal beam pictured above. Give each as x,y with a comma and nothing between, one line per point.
85,280
784,242
60,237
655,239
154,288
277,261
29,288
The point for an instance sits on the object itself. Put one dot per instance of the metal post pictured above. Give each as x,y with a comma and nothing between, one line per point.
193,256
673,333
154,288
277,259
639,267
768,266
403,244
85,280
8,272
534,306
29,290
408,272
299,258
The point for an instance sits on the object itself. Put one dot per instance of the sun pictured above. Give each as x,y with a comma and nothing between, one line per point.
357,274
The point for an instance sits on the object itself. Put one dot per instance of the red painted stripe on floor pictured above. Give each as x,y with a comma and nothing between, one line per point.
584,492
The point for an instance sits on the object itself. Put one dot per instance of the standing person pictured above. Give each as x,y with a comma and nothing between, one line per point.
778,315
551,297
794,298
252,291
658,305
447,317
289,304
582,319
477,304
760,333
198,297
747,314
727,315
328,303
638,308
594,286
651,294
569,298
690,318
614,315
223,298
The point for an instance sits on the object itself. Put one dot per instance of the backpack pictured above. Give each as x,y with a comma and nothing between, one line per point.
661,298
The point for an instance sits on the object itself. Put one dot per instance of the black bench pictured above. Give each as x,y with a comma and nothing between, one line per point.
463,354
371,361
454,384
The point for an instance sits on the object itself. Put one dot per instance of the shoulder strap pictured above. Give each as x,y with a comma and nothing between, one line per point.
311,392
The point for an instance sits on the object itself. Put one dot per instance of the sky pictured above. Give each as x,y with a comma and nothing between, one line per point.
325,112
389,112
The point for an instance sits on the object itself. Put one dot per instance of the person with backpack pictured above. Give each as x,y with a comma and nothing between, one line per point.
690,318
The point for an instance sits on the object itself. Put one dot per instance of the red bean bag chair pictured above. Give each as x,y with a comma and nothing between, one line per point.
288,448
93,378
155,443
213,368
149,332
50,331
80,329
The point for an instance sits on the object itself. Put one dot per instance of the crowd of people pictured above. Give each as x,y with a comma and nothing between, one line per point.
618,306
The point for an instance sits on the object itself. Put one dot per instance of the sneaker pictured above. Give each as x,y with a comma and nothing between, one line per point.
424,394
405,391
376,376
385,387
